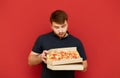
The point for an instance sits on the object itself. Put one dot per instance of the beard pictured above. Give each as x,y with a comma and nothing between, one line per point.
62,34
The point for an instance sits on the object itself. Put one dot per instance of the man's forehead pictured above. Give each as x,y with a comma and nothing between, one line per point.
56,24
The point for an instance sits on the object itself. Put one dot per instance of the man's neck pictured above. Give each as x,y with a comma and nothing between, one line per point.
64,36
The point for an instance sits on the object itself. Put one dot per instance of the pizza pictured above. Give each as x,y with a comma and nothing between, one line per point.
63,56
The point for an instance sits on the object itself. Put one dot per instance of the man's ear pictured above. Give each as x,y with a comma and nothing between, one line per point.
51,25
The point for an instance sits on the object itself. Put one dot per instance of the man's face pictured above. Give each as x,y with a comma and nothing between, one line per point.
60,29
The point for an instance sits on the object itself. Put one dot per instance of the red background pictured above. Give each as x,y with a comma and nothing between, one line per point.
95,22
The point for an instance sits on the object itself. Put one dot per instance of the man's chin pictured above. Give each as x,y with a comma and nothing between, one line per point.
61,36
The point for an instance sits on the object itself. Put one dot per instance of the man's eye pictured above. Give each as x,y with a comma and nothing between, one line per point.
63,26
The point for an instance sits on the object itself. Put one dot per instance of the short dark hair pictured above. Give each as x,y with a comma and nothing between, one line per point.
58,16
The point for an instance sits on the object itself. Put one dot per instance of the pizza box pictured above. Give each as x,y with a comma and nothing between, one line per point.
70,55
64,61
79,67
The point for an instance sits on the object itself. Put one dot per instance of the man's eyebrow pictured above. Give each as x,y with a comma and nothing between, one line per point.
63,24
59,25
56,26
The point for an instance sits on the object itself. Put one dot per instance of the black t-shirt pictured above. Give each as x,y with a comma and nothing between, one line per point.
50,41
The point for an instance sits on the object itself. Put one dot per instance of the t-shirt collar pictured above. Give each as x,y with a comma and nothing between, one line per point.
67,34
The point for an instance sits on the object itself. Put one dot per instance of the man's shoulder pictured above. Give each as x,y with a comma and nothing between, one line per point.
74,37
44,36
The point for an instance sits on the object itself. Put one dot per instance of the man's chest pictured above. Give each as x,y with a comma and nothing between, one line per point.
50,44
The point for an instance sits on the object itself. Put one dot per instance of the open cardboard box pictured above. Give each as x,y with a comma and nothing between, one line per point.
66,67
70,63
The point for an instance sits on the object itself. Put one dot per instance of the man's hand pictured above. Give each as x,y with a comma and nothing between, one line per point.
44,56
85,65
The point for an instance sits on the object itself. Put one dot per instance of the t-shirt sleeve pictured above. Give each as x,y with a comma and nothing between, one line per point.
37,45
81,50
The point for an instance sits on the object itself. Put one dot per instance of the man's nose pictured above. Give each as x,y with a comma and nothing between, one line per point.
60,29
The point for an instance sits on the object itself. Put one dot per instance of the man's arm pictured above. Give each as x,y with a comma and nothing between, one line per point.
36,58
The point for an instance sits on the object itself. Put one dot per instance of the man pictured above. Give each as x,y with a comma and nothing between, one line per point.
58,38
